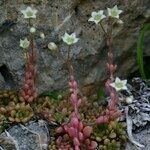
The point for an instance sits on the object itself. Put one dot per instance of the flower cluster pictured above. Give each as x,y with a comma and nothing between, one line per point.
112,13
29,90
30,13
112,112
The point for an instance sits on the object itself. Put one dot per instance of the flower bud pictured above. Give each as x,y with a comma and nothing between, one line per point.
42,35
52,46
32,30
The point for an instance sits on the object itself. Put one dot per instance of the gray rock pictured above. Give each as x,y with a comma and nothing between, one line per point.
89,55
142,137
32,136
2,81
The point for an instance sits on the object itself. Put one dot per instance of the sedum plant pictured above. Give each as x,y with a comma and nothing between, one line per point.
20,113
2,117
29,90
112,111
110,136
78,135
6,96
74,134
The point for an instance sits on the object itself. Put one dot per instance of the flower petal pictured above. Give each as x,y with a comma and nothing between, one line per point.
94,14
117,80
91,19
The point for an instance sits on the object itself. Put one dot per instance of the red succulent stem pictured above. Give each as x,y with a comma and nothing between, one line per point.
73,84
112,111
78,133
111,68
29,90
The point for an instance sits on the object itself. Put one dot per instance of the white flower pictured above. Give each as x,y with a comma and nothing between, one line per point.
129,99
70,39
29,13
42,35
52,46
119,84
114,12
32,30
24,43
97,16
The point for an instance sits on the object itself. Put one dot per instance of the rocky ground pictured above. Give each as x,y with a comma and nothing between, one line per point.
142,137
32,136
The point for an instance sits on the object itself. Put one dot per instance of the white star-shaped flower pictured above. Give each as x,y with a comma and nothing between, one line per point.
97,16
29,13
24,43
70,39
119,84
114,12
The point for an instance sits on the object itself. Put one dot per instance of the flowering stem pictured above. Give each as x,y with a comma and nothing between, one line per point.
105,33
111,67
108,36
26,55
29,22
70,67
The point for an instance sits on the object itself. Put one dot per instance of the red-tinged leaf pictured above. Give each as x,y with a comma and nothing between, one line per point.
59,130
92,146
87,141
76,142
87,131
72,132
66,128
79,102
74,122
74,84
77,148
102,120
58,141
80,126
81,136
